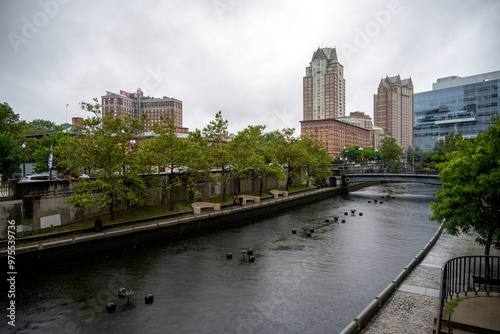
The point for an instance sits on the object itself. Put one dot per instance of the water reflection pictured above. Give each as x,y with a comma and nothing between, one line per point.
296,285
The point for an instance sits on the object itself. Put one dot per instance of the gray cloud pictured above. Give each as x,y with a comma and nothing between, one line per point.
246,58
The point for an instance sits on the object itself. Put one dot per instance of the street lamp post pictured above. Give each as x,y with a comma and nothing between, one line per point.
132,146
24,165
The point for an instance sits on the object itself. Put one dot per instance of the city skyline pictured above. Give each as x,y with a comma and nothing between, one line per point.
244,58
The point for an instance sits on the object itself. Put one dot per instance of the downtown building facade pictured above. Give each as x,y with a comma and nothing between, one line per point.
336,134
324,105
456,105
393,109
324,86
136,105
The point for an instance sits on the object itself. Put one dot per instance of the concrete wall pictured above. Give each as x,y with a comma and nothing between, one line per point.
10,210
39,205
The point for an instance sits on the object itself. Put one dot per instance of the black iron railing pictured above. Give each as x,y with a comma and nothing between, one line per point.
383,171
468,274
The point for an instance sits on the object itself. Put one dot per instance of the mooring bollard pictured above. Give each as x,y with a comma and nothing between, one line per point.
111,307
148,299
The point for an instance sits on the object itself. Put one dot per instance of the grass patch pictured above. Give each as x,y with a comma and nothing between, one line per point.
132,213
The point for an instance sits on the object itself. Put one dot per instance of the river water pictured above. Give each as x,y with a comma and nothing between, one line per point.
297,284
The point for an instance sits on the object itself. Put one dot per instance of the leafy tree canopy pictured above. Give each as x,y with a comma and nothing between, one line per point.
217,135
104,149
10,122
390,150
11,157
253,156
313,159
470,199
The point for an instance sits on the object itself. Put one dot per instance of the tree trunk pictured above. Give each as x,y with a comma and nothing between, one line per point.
261,186
170,187
288,176
487,247
223,184
164,190
489,240
111,207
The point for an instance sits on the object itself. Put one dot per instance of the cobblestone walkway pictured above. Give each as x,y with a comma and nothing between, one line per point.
412,308
410,312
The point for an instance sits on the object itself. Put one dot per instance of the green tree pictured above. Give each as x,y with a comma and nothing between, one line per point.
353,153
313,159
390,150
166,150
287,152
253,156
217,135
103,149
442,148
41,125
369,154
470,199
417,158
41,152
10,122
11,157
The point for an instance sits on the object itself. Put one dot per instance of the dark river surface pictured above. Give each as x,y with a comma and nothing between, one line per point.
297,284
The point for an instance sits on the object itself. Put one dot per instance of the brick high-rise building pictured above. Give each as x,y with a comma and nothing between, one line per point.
324,106
393,109
136,104
324,86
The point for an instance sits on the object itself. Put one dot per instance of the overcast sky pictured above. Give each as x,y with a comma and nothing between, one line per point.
244,57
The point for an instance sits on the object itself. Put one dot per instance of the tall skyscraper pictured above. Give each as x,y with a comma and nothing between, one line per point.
324,86
136,104
456,105
393,109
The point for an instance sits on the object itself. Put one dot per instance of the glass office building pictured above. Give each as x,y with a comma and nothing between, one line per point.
455,105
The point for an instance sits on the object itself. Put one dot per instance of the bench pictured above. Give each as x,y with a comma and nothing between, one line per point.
277,193
246,198
201,205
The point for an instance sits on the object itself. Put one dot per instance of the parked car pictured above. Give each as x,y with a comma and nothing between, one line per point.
83,176
178,170
65,177
37,178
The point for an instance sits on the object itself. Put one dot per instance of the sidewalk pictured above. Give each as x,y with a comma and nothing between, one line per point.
412,308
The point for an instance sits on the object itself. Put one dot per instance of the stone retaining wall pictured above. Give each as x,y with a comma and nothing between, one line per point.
40,205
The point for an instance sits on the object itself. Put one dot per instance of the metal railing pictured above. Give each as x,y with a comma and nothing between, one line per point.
385,171
468,274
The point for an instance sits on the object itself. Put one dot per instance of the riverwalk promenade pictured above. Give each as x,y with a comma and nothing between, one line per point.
412,308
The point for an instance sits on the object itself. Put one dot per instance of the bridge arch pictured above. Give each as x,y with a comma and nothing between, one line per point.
391,176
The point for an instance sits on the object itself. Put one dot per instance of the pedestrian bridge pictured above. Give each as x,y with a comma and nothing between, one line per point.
391,176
